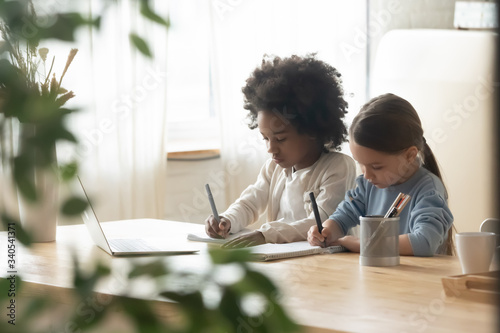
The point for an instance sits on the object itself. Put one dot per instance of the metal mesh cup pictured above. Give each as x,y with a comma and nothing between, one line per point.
379,241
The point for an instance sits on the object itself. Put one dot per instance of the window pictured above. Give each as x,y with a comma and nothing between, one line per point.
191,118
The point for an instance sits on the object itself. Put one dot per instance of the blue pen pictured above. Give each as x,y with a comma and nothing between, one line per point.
316,214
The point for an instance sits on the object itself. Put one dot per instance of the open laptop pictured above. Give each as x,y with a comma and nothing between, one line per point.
126,246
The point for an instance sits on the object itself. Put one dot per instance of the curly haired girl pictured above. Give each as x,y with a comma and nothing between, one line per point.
298,106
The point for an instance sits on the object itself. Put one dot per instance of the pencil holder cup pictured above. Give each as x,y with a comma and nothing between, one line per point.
379,241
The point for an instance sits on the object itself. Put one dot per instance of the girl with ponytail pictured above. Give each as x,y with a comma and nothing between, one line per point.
386,139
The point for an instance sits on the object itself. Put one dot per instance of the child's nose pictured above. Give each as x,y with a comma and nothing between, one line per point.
368,174
271,147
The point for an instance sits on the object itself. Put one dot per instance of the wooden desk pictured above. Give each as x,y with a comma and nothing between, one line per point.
324,293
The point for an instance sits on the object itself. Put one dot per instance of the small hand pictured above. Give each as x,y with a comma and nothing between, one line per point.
315,238
249,239
349,242
217,229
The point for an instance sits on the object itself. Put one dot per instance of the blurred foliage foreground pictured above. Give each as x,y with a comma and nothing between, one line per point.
228,296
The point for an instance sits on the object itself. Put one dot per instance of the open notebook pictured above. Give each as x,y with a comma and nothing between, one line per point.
203,237
269,251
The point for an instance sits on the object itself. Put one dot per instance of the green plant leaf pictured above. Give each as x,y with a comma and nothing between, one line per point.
34,307
21,234
74,206
191,305
23,167
64,134
279,321
84,282
141,45
254,281
142,314
4,285
189,301
9,74
27,188
12,12
66,25
147,12
226,256
90,312
230,307
154,269
68,171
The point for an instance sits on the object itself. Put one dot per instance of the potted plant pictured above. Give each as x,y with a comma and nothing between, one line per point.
32,122
33,117
33,114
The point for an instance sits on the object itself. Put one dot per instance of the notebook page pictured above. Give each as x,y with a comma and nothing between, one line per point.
270,251
203,237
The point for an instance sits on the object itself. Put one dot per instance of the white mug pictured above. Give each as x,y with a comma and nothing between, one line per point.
475,251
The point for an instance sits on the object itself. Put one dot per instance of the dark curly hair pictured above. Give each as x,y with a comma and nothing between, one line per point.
306,91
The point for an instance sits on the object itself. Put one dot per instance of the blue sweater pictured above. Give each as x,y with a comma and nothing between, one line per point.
426,218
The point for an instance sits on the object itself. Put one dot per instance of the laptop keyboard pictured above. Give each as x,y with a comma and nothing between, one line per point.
131,245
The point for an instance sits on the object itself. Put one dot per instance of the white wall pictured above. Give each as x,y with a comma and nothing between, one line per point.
386,15
186,197
458,80
186,179
447,76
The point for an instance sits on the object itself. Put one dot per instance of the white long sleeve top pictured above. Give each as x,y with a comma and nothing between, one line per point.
285,195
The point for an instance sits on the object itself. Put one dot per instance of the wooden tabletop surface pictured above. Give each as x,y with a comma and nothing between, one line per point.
324,293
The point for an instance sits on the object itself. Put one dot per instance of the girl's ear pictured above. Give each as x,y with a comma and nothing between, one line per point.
411,154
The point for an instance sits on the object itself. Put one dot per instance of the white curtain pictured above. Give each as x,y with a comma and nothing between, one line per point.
243,31
122,96
122,122
8,194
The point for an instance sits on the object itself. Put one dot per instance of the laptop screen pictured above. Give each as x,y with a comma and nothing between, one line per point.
90,219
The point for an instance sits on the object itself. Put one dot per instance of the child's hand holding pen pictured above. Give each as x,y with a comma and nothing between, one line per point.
217,229
330,234
315,238
216,226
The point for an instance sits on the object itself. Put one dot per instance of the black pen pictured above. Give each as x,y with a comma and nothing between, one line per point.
316,214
